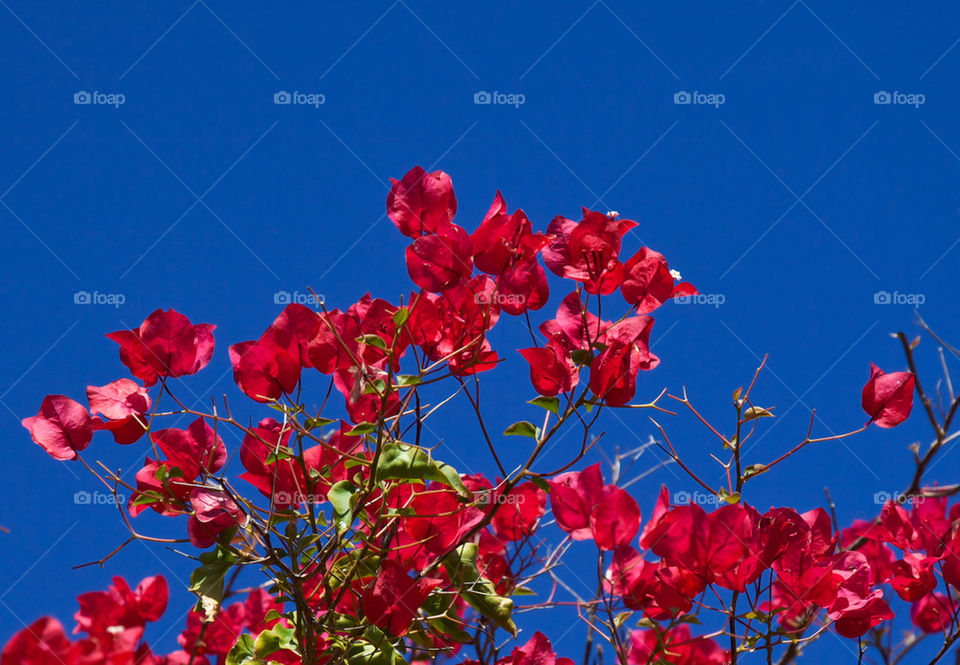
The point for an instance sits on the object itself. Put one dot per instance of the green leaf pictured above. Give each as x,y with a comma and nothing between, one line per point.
373,340
400,316
620,619
403,461
523,428
278,638
318,421
755,412
343,498
581,356
206,582
541,483
242,652
753,470
461,566
407,380
362,428
445,618
551,404
282,453
148,497
729,497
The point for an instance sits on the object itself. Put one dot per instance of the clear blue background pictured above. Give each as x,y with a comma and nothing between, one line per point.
104,199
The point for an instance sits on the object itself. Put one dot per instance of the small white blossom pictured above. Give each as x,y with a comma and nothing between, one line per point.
612,214
676,275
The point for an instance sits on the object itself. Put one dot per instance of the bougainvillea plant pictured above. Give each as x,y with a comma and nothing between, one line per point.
369,548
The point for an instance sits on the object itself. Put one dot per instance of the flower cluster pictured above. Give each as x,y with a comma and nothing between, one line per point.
377,552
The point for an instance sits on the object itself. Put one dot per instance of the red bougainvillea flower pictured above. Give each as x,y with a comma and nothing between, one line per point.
661,591
437,521
271,466
124,403
675,647
613,374
62,427
392,600
518,512
711,545
912,577
587,508
421,202
216,637
648,281
165,344
854,614
214,513
102,611
579,327
932,613
267,368
538,651
263,370
334,344
506,247
265,441
41,643
588,251
873,547
440,260
552,370
896,527
194,450
888,398
499,237
452,326
164,485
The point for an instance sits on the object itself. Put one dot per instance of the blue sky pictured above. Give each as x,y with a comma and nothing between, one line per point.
794,201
